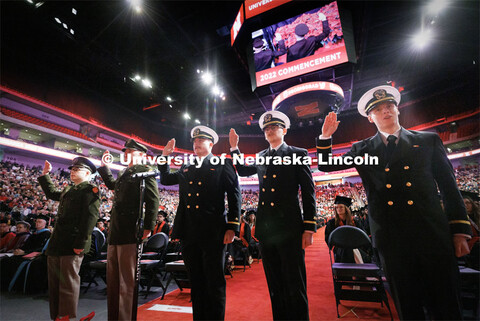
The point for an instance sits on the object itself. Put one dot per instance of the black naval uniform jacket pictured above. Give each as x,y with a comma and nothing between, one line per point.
409,227
306,47
408,185
279,213
201,209
78,212
263,59
124,215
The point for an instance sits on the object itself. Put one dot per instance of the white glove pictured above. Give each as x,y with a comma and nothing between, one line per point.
321,16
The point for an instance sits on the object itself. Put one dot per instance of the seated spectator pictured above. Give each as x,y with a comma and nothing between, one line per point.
162,225
343,216
473,212
35,243
5,234
23,233
253,244
101,226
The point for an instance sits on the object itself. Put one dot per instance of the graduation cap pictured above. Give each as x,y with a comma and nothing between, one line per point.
474,196
347,201
42,217
163,213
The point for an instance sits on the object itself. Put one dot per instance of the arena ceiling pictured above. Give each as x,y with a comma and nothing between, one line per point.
170,40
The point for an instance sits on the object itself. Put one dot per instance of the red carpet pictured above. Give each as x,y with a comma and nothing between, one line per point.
248,299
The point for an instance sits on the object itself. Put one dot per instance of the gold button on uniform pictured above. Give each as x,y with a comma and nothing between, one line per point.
263,203
273,190
263,190
410,202
387,169
408,184
198,194
188,206
264,176
390,203
196,206
272,204
189,194
274,176
389,186
199,183
191,182
406,167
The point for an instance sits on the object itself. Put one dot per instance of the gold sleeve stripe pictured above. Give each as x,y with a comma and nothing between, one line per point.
326,147
459,222
236,223
310,222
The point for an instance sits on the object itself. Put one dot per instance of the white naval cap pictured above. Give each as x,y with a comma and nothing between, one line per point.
274,117
377,95
204,132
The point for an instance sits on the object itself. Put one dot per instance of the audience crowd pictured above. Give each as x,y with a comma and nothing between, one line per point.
22,200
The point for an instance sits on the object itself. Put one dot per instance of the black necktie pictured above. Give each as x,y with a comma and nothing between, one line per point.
390,147
272,152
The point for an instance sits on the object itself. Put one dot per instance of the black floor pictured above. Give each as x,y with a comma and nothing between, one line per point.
18,306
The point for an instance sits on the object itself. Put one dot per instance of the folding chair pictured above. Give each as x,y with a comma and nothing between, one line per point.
153,260
366,278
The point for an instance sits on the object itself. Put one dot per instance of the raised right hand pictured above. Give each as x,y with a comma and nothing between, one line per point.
47,168
169,148
330,124
233,138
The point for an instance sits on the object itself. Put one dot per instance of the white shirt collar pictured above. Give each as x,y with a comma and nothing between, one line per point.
385,135
276,147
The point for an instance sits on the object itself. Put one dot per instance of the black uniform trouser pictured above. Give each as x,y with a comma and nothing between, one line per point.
423,278
205,261
284,265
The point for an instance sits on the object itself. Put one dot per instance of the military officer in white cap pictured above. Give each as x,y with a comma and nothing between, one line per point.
416,239
201,223
281,228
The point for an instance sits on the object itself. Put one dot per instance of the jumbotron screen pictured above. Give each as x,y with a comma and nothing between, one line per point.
308,42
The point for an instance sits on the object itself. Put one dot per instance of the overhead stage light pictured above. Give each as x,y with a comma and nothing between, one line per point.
216,90
187,116
436,6
422,39
137,5
146,83
207,78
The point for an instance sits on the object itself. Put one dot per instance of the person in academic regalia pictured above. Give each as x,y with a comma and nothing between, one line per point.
162,225
343,216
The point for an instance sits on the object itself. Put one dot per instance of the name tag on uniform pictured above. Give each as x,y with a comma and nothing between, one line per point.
185,170
212,169
416,146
